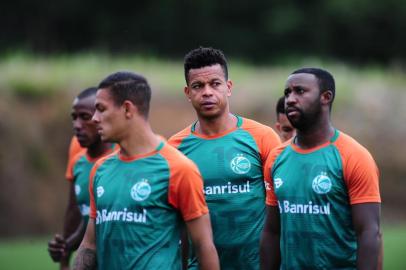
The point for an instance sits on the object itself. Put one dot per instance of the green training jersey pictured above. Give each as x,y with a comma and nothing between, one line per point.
231,164
139,204
78,171
314,190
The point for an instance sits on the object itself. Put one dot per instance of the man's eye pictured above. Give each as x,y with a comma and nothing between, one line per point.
196,86
86,117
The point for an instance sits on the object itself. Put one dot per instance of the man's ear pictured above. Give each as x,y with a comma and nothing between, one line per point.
186,90
129,108
229,87
326,97
278,126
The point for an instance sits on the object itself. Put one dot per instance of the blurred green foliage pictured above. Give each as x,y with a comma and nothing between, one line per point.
259,30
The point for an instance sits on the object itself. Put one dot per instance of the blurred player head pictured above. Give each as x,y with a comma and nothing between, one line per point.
282,125
82,112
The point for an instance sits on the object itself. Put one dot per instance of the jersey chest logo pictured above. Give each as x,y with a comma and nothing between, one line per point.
240,164
141,190
100,191
77,190
321,183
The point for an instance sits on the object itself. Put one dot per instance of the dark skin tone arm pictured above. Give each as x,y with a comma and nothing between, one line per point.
59,247
202,238
184,247
86,255
270,255
366,220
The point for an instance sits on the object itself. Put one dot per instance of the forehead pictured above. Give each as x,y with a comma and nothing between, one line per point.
86,103
302,79
103,96
206,73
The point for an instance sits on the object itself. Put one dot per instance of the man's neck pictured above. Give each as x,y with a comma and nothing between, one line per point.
315,135
98,149
139,140
214,126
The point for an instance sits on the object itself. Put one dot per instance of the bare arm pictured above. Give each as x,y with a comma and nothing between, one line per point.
58,248
366,220
86,255
201,234
185,248
73,216
270,255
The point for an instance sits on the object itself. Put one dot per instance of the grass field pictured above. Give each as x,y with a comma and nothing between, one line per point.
32,254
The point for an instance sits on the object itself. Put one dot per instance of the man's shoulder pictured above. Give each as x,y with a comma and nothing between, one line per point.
257,128
177,138
175,158
347,145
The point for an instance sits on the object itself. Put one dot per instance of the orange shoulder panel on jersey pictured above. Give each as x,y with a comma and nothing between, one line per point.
98,163
71,163
361,173
265,137
177,139
185,184
74,147
271,198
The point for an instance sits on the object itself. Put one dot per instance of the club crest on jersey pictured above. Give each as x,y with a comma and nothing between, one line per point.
322,183
278,182
240,164
77,190
141,190
100,191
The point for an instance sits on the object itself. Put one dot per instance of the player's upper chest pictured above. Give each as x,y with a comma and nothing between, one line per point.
232,156
308,175
143,181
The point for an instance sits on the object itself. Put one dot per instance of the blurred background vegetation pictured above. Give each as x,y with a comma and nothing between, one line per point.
50,51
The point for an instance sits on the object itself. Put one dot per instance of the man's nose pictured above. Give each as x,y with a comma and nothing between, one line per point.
95,117
207,90
77,124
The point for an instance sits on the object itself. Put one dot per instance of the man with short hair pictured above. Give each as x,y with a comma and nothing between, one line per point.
86,148
322,189
229,151
282,125
140,195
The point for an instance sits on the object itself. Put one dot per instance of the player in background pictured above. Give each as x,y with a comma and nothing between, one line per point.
230,151
86,147
282,125
142,194
322,188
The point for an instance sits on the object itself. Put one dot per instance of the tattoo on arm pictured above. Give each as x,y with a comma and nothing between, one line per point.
85,259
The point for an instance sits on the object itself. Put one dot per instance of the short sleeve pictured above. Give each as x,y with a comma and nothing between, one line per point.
271,198
69,174
265,137
186,191
361,173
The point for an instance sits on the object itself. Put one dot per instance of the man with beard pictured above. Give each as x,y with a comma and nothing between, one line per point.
322,188
86,147
230,151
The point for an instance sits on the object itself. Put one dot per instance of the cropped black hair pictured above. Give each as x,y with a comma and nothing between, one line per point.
125,85
87,92
325,79
280,107
203,57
